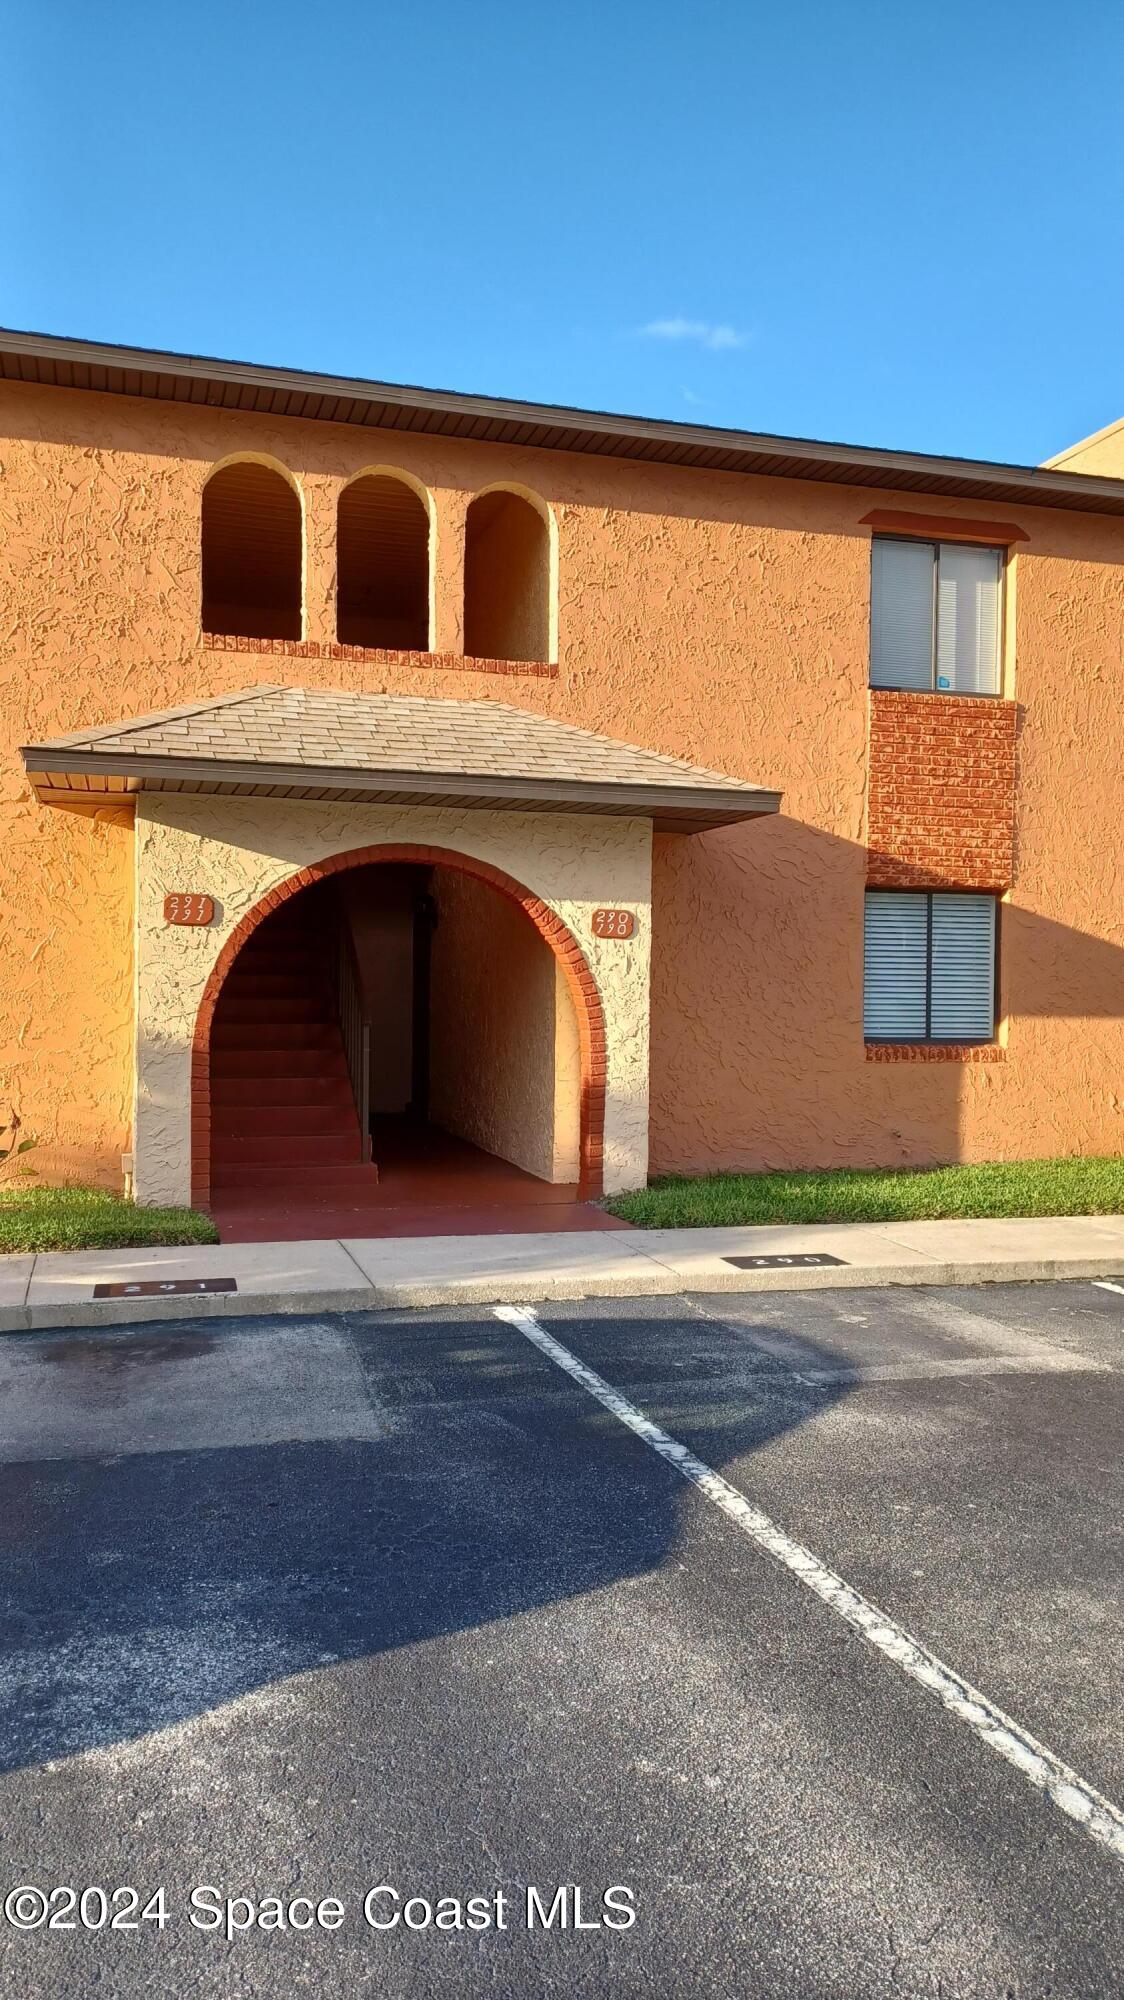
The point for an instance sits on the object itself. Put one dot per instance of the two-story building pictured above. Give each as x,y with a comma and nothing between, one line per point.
399,783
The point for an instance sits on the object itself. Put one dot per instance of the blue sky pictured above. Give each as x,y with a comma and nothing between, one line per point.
882,223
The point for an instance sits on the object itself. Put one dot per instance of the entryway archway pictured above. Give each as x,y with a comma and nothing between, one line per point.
484,1084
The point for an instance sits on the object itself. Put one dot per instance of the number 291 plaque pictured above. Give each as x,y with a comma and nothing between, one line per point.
188,907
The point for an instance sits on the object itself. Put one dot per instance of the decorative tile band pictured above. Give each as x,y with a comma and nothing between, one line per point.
380,656
938,1052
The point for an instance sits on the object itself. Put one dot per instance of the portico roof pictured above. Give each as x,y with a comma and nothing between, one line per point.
307,743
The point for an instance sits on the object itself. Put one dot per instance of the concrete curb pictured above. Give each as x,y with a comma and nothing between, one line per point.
660,1281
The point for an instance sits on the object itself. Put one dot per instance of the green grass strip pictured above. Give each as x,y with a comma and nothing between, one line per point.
1018,1187
78,1218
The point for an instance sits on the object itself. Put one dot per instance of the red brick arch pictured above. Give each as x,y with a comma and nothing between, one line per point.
583,990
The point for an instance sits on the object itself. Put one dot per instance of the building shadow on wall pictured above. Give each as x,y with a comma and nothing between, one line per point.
775,1071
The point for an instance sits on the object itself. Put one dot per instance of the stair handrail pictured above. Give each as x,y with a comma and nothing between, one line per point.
355,1027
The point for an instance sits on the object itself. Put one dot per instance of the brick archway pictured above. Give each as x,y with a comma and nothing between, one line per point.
579,978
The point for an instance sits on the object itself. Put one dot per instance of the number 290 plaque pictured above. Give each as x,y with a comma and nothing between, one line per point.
614,924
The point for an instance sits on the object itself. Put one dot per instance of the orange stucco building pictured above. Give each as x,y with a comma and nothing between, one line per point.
837,730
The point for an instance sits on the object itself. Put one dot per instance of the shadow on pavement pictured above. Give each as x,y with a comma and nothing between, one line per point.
153,1586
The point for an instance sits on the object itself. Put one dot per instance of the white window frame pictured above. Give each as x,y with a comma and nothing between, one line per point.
928,1038
934,545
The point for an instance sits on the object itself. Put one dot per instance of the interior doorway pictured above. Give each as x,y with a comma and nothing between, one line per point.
396,1050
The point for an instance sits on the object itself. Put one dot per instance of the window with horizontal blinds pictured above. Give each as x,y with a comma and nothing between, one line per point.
962,983
901,614
935,612
895,955
928,967
968,619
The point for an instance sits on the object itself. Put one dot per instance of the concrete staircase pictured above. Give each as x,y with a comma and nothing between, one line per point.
284,1130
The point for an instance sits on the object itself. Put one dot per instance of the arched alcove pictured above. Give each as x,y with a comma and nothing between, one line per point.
383,564
251,552
482,956
507,578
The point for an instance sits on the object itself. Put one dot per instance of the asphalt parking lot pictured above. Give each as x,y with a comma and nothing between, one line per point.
304,1609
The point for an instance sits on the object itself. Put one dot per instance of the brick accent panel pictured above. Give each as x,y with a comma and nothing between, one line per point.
379,656
939,1052
941,806
583,990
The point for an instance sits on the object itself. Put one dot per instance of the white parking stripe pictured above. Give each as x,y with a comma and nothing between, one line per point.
1106,1285
1101,1820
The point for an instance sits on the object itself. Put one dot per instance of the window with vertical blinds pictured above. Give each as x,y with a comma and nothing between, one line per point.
928,967
935,616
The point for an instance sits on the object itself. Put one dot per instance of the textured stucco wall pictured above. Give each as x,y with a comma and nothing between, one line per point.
566,1161
1101,455
239,849
495,1077
715,617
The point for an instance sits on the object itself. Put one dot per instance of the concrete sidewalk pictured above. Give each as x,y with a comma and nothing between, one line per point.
361,1274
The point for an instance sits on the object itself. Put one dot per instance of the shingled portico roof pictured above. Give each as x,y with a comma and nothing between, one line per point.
304,743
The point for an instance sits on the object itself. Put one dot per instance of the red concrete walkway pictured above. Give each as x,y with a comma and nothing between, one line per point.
429,1184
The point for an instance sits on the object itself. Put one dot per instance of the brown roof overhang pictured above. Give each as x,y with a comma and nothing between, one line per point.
286,392
91,781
